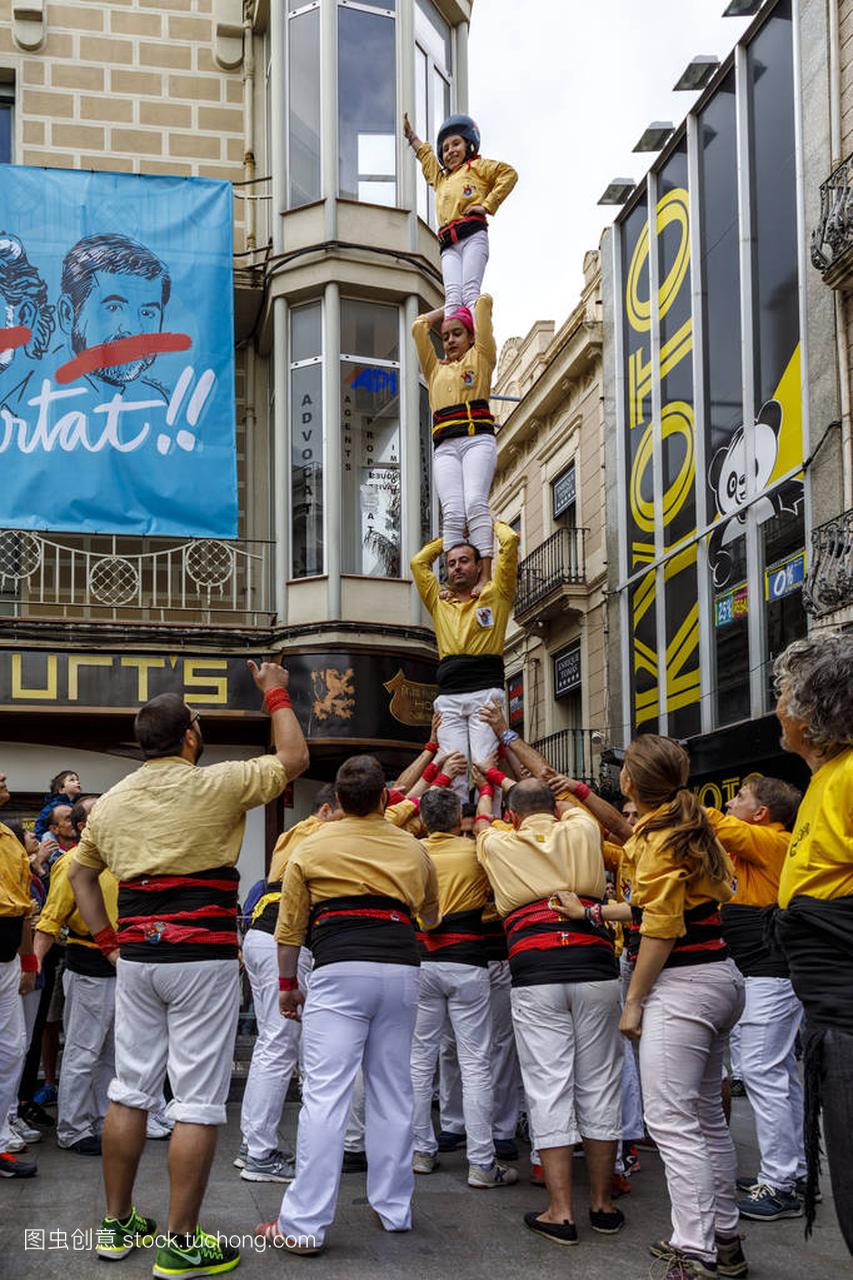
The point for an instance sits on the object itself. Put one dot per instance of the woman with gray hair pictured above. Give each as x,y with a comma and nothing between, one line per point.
814,925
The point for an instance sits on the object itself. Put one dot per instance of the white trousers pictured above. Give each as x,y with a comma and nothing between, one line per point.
13,1043
357,1013
463,470
768,1033
459,992
461,728
506,1077
276,1050
735,1053
632,1094
88,1058
686,1020
571,1060
182,1016
463,266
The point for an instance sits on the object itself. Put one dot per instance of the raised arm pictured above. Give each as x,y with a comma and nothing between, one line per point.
611,819
425,580
290,746
484,336
423,344
506,565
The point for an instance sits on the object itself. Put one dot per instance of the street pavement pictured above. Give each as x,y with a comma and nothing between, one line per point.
459,1233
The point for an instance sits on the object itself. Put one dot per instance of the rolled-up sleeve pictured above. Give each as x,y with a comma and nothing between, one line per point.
659,888
87,852
294,907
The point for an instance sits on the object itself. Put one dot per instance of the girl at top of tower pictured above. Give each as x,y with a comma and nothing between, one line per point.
467,188
463,430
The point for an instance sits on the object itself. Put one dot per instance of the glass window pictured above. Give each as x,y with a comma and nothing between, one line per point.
304,132
370,438
5,125
425,449
306,440
782,540
367,106
432,88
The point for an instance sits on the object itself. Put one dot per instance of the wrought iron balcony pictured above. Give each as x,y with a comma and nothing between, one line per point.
551,574
571,752
832,238
122,579
829,583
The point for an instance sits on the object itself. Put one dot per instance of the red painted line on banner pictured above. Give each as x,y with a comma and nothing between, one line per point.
17,337
122,351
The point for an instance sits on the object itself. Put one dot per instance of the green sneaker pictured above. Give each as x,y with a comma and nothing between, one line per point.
114,1239
206,1255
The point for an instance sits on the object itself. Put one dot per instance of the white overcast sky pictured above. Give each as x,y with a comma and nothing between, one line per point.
562,89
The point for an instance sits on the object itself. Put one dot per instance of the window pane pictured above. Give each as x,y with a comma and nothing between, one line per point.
367,106
306,433
433,32
369,329
304,109
5,133
379,4
422,129
306,339
425,445
440,101
370,426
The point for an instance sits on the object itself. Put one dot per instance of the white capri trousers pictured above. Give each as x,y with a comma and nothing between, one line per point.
768,1030
463,266
357,1014
570,1056
463,470
88,1058
506,1077
459,992
461,728
182,1016
686,1021
13,1043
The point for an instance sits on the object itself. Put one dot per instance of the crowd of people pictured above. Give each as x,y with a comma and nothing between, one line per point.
482,924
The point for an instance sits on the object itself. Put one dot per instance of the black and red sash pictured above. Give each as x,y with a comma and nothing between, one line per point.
166,919
459,939
266,918
461,229
362,927
82,955
546,947
703,941
470,418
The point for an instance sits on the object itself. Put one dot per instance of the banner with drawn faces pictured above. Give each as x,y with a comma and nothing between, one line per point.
116,354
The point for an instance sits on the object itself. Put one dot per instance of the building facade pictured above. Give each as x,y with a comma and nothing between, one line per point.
549,484
297,106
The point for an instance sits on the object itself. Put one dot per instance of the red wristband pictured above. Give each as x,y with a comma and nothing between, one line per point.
430,774
501,750
106,940
29,964
441,780
288,984
431,746
276,699
582,791
487,789
394,796
495,777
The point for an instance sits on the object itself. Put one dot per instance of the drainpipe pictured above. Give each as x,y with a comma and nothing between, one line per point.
840,308
249,122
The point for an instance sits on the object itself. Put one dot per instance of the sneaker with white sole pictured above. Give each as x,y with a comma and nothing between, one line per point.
273,1168
26,1131
14,1143
115,1239
423,1162
498,1176
157,1129
242,1156
767,1204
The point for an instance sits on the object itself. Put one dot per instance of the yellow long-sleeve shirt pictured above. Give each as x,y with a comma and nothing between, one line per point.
15,899
453,382
355,856
476,182
820,856
758,854
471,627
545,855
61,909
462,883
662,886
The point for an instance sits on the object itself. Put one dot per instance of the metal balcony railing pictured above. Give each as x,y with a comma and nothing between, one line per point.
124,579
571,752
829,583
557,562
832,238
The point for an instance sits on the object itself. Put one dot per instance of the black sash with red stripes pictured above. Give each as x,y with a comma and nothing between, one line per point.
362,927
545,947
703,942
165,919
468,418
459,939
461,229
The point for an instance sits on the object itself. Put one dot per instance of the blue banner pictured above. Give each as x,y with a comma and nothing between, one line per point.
116,354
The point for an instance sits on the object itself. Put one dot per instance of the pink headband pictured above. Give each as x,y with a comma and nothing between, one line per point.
464,316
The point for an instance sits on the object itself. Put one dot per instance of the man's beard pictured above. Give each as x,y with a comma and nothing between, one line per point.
118,375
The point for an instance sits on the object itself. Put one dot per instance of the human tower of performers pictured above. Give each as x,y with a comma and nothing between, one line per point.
386,937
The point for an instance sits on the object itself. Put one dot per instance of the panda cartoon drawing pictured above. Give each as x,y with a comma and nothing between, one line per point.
727,479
